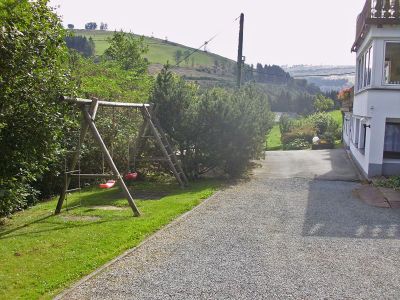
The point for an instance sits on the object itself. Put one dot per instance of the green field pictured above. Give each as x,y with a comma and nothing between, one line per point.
274,139
41,254
160,52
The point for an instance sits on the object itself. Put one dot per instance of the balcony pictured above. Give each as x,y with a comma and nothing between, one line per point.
376,12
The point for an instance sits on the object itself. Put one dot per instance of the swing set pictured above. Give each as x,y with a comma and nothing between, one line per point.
150,129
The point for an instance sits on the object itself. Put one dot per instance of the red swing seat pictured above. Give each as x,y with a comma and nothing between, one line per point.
109,184
131,176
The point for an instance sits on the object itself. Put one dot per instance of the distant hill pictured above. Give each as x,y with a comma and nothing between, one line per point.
327,83
206,68
210,70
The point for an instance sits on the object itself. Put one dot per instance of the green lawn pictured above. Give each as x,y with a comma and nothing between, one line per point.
274,139
41,254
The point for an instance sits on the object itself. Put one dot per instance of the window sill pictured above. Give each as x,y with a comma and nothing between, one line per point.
361,150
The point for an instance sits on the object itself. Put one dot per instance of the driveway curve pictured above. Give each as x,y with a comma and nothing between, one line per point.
294,231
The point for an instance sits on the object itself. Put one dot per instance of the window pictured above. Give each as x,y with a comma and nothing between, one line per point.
392,63
392,140
356,131
364,69
363,134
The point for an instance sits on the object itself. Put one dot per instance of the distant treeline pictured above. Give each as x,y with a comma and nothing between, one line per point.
81,44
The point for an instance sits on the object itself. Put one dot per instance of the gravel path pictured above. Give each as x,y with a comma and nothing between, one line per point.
269,238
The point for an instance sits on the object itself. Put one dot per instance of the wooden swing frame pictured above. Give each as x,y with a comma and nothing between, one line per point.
89,109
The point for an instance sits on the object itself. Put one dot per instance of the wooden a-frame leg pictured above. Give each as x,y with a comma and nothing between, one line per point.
84,129
110,162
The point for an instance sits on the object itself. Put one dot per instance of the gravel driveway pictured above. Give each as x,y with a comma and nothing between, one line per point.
278,236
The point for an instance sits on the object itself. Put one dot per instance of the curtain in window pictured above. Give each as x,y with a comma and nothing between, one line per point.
392,138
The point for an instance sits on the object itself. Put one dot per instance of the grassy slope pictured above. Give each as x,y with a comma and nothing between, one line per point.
41,253
160,52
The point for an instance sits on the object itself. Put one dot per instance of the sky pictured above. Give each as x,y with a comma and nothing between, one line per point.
282,32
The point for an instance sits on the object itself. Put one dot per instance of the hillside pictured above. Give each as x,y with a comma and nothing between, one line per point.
210,70
160,51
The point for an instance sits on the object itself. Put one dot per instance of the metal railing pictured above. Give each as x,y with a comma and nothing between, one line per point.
376,12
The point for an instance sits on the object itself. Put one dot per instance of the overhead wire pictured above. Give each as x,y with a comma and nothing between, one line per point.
199,48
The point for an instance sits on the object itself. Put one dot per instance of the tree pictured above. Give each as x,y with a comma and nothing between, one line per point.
186,56
322,103
178,55
71,26
91,26
103,26
127,51
33,76
214,129
81,44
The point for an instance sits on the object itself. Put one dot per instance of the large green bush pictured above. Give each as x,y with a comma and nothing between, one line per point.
214,129
304,132
326,126
32,76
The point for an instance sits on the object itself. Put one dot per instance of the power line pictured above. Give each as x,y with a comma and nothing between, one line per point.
194,51
197,49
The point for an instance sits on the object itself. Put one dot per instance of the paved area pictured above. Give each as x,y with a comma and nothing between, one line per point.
323,164
297,236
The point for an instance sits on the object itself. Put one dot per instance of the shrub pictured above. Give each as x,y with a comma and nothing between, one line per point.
392,182
285,124
322,103
324,123
215,129
305,133
297,144
33,75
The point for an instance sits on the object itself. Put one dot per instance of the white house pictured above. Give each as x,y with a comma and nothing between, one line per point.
372,129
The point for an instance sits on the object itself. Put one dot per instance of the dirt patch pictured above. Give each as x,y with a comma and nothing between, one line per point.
107,207
75,218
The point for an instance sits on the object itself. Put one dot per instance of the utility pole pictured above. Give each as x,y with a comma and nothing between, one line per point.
240,52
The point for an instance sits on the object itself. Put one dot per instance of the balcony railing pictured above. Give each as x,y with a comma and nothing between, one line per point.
376,12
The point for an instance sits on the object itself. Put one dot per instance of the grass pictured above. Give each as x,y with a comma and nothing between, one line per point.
274,139
160,52
41,254
392,182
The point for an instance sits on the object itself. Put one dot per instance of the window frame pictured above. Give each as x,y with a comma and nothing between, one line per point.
390,154
365,68
384,83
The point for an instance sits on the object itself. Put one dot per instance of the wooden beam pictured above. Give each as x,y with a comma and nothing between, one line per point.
104,103
98,138
111,176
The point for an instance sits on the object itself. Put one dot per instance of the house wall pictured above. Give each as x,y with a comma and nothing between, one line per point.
374,105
